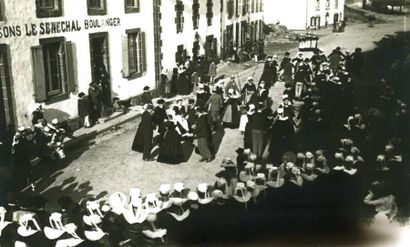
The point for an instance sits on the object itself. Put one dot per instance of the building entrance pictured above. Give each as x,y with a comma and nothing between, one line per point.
99,57
6,105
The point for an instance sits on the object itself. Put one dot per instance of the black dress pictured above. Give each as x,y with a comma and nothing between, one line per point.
170,151
144,133
247,137
231,114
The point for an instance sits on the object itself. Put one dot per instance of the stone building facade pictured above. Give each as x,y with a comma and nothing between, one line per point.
304,14
50,50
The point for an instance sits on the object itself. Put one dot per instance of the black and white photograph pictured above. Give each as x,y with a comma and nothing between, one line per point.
127,123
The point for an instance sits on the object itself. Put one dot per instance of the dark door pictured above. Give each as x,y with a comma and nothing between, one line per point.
100,73
6,105
237,36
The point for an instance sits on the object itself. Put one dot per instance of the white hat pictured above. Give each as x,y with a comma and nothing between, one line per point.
164,189
54,121
250,78
179,186
25,230
231,91
117,199
193,196
241,193
135,192
56,229
203,187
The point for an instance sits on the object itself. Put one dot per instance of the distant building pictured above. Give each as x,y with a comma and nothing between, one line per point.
50,50
205,28
243,23
304,14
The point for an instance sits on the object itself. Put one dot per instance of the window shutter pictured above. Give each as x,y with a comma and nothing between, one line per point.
40,93
71,70
125,62
143,51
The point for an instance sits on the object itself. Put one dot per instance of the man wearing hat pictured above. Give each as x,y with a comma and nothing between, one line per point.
191,116
269,73
204,135
146,97
95,101
158,119
248,90
260,127
287,67
143,138
231,84
215,104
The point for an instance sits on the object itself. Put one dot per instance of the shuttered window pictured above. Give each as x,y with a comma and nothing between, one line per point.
53,70
96,7
132,6
134,54
239,8
179,19
317,5
195,14
336,4
245,7
209,12
230,8
48,8
327,4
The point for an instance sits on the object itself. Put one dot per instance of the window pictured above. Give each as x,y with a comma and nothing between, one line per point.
317,5
132,6
327,4
97,7
209,12
252,6
179,19
261,6
336,4
245,7
134,54
237,8
48,8
53,70
230,9
256,5
195,14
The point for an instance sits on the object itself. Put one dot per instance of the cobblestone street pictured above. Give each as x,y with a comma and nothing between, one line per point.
107,164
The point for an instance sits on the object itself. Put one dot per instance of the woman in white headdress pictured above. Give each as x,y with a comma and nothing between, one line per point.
170,151
231,114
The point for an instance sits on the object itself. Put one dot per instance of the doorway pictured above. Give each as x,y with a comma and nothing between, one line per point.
6,104
100,67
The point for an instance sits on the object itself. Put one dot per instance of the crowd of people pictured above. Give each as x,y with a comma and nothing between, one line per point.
42,141
307,162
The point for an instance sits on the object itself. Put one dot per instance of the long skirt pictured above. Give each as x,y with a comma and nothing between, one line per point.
170,151
231,116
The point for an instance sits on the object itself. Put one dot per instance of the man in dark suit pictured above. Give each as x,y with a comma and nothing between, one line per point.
204,135
260,125
215,104
143,138
191,116
158,119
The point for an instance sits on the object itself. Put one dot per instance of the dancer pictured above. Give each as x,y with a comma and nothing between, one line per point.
170,151
143,138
